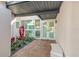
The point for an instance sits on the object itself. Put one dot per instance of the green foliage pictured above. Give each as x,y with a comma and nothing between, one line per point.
20,43
13,46
16,44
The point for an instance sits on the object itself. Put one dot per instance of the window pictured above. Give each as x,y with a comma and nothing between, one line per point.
17,24
40,28
48,29
37,34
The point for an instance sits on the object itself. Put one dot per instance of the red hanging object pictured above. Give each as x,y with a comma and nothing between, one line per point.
21,32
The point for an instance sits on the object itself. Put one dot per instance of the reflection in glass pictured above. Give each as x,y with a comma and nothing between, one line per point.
51,24
28,33
31,26
17,24
51,34
37,33
37,24
44,31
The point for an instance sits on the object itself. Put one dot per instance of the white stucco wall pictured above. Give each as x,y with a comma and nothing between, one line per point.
75,29
5,30
67,28
63,27
14,30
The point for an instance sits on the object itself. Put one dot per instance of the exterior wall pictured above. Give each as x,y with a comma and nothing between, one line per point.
63,27
5,30
67,28
75,29
14,30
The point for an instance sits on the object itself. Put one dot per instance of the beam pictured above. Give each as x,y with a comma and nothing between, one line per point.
40,17
38,13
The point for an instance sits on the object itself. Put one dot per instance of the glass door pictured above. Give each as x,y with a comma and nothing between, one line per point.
48,28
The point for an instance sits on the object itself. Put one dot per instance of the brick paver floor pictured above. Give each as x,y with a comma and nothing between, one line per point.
37,48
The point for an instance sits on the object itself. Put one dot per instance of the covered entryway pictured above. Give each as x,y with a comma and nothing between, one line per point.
39,20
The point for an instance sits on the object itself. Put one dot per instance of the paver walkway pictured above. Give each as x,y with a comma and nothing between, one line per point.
37,48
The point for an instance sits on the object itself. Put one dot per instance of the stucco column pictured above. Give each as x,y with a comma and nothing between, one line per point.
5,30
